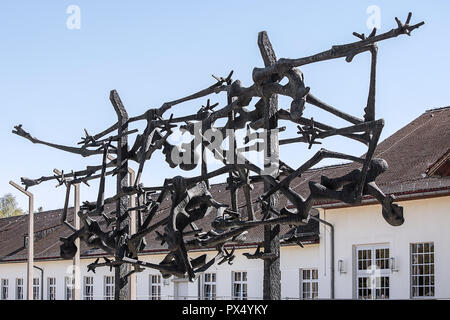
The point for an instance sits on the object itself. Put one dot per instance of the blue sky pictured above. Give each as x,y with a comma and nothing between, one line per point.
56,81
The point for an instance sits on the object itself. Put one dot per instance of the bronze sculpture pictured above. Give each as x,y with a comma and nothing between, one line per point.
190,199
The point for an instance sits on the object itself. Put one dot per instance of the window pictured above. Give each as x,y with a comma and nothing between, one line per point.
155,287
88,288
372,272
51,288
36,289
19,288
5,287
68,288
239,285
109,288
309,284
208,286
422,269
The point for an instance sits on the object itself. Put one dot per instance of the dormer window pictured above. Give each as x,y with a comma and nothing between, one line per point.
441,167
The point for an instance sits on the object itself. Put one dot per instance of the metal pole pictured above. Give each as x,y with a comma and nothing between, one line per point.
232,148
30,262
132,277
121,287
76,259
272,272
131,181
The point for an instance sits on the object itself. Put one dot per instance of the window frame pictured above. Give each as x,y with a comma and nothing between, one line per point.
243,283
108,285
411,266
212,283
68,287
3,287
90,285
155,284
51,286
21,286
311,280
36,289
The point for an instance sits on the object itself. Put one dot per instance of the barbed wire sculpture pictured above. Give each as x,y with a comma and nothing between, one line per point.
191,200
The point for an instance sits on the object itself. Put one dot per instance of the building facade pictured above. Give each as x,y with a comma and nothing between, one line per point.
356,256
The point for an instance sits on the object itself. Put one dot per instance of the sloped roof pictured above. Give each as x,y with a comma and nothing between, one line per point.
409,152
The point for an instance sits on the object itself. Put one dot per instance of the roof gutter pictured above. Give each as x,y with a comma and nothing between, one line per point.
42,281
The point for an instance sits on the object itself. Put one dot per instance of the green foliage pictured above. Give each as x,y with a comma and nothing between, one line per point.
8,206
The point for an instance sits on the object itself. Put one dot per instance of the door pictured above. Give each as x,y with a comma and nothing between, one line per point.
181,289
372,272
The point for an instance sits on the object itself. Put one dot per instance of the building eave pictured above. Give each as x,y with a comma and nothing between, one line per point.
367,200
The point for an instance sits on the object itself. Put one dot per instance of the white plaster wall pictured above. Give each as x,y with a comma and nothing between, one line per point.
54,269
425,220
292,259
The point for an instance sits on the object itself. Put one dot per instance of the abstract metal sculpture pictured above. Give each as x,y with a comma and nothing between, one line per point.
190,199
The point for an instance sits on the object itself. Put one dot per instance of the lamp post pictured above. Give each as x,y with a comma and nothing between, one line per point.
30,262
76,292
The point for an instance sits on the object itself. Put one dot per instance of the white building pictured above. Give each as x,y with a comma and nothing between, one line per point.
371,259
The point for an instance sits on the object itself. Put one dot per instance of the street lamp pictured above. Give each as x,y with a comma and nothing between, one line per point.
30,262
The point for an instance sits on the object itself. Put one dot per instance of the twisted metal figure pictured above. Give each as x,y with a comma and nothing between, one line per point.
190,198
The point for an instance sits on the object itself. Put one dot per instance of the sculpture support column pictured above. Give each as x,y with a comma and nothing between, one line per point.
76,259
132,277
232,148
272,273
121,286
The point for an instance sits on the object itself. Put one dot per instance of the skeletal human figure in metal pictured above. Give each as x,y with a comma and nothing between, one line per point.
190,198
